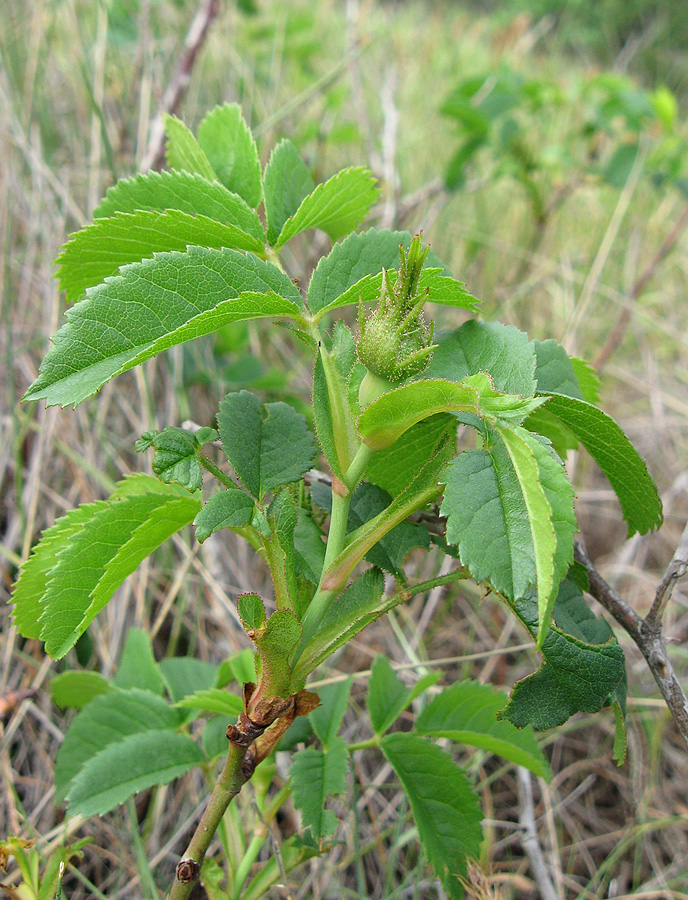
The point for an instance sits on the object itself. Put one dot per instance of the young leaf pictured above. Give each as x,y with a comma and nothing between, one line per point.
225,509
106,720
286,446
175,460
388,696
251,611
337,206
467,714
360,604
184,191
213,700
154,305
137,762
75,689
615,455
100,249
137,667
327,718
286,182
445,809
228,144
315,776
182,149
502,351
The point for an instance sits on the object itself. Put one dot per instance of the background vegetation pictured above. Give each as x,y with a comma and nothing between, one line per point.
566,218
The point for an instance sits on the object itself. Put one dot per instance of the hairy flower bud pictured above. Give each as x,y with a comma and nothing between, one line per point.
394,341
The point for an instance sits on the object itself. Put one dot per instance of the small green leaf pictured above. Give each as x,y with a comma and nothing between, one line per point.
445,809
213,700
388,696
182,149
615,455
467,714
587,379
75,689
137,666
228,144
100,249
327,718
175,460
315,776
137,762
225,509
286,446
286,182
337,206
251,611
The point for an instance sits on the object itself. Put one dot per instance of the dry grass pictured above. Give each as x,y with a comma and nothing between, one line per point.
605,832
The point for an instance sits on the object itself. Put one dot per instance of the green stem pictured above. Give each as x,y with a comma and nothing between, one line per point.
422,586
364,745
210,466
244,867
226,788
358,466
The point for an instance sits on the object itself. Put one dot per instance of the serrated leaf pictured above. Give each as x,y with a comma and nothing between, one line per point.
106,720
100,249
137,762
175,460
212,700
393,469
182,150
350,263
286,182
467,714
229,147
500,350
388,696
225,509
184,191
75,689
137,666
154,305
315,776
268,444
185,675
583,668
336,207
445,809
327,718
615,455
360,604
251,611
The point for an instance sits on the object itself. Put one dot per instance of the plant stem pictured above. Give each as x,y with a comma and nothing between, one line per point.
252,851
358,466
226,788
210,466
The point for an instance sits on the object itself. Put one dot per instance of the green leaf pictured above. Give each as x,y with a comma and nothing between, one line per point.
350,262
137,667
225,509
315,776
388,696
445,809
214,738
75,689
184,191
393,469
286,182
228,144
583,668
100,249
182,149
268,444
467,714
213,700
555,372
108,719
615,455
175,460
154,305
251,611
587,379
137,762
502,351
360,604
337,206
89,564
185,675
328,717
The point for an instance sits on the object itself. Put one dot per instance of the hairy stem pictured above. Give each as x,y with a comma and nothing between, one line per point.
210,466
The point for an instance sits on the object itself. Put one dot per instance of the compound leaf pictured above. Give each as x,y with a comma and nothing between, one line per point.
137,762
228,144
337,206
286,181
154,305
315,776
445,809
467,714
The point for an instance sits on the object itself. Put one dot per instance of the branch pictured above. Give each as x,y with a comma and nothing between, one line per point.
174,93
